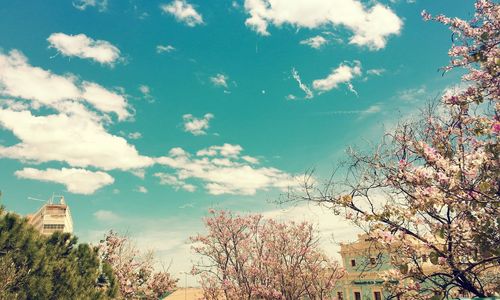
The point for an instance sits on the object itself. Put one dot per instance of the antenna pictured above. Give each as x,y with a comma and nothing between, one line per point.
36,199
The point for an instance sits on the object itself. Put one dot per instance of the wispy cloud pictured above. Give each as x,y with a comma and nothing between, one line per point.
302,86
101,5
183,12
315,42
175,182
106,216
412,94
197,126
219,80
146,93
82,46
164,48
141,189
134,135
376,72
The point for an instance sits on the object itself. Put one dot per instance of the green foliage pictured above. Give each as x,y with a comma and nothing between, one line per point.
54,267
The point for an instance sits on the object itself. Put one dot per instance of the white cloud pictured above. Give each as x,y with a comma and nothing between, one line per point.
21,80
223,171
104,100
250,159
83,46
106,216
164,48
412,94
142,189
76,140
376,72
219,80
197,126
343,74
146,93
77,181
101,5
226,150
302,86
145,90
315,42
183,12
134,135
371,26
75,134
176,183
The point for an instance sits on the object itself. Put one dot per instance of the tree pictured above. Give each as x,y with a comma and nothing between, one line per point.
135,274
431,187
248,257
33,266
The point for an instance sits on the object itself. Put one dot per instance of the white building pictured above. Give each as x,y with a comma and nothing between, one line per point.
52,217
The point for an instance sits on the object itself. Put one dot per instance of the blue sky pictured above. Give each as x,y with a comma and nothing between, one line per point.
144,114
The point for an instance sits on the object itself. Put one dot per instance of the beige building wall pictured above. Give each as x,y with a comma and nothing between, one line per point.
51,218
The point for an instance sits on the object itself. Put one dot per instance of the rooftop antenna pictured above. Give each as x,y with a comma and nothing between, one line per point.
36,199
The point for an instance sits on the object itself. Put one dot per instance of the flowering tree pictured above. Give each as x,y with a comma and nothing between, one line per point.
431,188
248,257
135,274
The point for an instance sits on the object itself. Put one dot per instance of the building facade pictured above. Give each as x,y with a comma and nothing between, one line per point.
52,217
364,263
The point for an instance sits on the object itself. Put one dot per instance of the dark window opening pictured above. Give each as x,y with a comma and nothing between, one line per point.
353,263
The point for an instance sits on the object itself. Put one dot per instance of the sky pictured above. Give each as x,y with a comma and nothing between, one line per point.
145,114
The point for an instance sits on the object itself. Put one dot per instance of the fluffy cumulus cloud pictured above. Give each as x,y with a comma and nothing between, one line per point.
82,46
315,42
101,5
21,80
183,12
197,126
370,25
75,130
223,170
77,140
344,73
77,181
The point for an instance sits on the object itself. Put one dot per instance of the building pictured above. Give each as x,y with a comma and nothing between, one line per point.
52,217
364,263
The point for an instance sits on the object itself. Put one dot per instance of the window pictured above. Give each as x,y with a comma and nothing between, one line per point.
357,296
377,296
53,226
373,260
340,296
424,258
353,262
